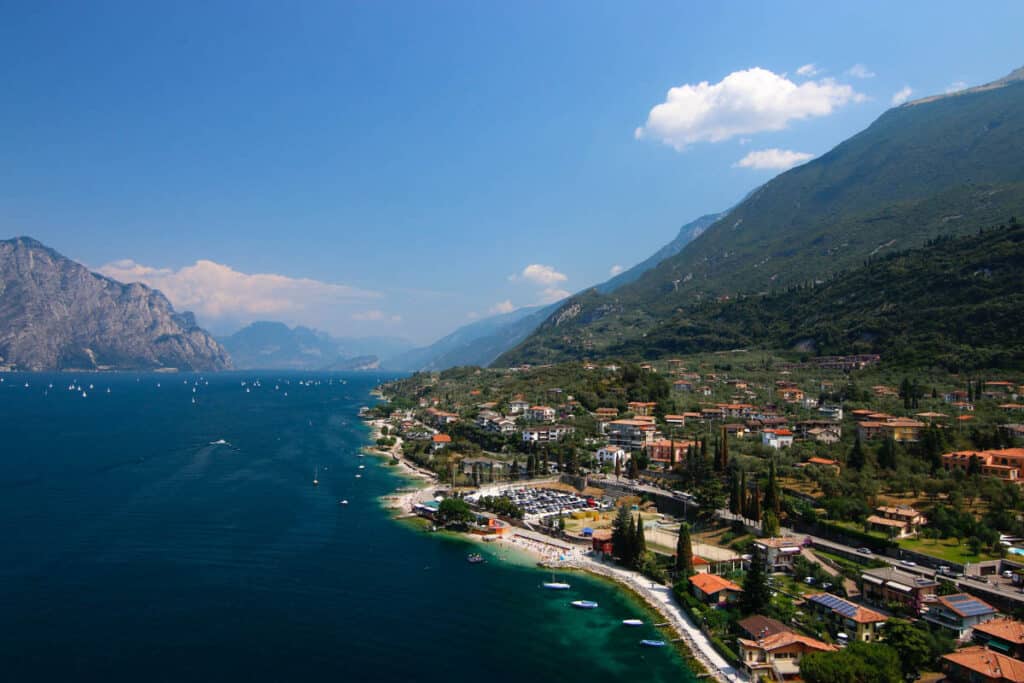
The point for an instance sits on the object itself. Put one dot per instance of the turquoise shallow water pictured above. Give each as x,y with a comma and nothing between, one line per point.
134,550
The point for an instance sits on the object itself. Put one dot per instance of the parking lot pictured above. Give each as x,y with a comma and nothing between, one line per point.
538,503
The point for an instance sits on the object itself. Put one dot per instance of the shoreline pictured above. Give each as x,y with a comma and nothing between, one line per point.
696,650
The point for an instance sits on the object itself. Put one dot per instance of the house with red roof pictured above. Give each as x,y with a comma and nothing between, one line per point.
713,589
981,665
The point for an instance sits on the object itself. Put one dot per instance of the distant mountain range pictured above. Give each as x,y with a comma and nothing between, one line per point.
945,165
57,315
274,345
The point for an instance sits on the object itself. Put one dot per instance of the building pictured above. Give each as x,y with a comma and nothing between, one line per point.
667,452
632,435
777,656
545,434
896,428
758,626
606,414
981,665
676,420
540,414
959,613
900,521
778,553
440,441
641,408
440,418
518,406
1003,635
827,463
896,590
609,455
843,616
777,438
1004,463
712,589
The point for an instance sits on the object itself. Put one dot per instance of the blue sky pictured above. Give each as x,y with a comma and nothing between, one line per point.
397,168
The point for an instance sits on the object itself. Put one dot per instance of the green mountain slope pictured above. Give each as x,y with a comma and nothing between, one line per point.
936,167
957,302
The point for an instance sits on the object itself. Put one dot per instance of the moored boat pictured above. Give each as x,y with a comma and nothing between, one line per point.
475,558
556,585
653,643
584,604
632,622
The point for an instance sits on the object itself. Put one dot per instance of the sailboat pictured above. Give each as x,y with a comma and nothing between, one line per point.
316,476
555,585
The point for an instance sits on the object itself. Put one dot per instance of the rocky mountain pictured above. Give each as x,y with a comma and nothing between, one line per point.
55,314
274,345
945,165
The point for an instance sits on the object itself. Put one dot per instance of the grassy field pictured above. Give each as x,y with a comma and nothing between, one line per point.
945,549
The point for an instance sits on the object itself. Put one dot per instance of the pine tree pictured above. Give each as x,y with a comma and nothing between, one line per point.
684,551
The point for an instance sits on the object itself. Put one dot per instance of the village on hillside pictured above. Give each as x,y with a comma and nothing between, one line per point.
801,508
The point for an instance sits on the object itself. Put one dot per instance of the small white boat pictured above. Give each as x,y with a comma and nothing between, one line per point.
632,622
359,476
584,604
316,476
556,586
362,467
219,442
342,502
653,643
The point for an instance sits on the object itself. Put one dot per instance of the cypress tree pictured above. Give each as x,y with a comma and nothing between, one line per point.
772,500
725,450
633,550
856,457
684,551
756,594
621,540
641,540
887,454
735,494
755,504
744,502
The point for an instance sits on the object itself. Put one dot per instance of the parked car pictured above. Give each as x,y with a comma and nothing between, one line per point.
908,563
864,551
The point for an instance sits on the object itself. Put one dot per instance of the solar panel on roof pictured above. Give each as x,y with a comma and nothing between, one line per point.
836,604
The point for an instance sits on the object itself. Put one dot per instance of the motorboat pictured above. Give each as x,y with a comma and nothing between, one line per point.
584,604
632,622
556,585
653,643
474,558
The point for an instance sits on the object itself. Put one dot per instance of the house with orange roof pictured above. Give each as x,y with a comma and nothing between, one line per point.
843,616
1004,463
896,521
777,656
630,434
827,463
540,413
896,428
777,438
667,452
1003,635
981,665
676,420
642,408
713,589
440,441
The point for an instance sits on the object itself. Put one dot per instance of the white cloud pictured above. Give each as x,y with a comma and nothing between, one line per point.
505,306
860,71
472,315
372,314
808,71
216,292
901,95
774,159
955,86
550,295
540,274
744,102
615,270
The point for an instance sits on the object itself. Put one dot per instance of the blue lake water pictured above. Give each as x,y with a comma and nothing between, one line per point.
134,550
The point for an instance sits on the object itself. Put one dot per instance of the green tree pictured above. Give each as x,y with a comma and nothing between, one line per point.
859,662
772,499
735,493
622,541
684,551
756,594
855,460
770,525
887,454
640,542
913,645
453,511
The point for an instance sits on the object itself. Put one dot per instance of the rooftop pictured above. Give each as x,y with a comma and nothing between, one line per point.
845,608
989,664
966,605
710,584
1004,628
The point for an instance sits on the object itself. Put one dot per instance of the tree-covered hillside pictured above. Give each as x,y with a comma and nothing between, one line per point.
957,302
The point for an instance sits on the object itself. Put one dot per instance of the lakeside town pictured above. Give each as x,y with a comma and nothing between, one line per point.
785,515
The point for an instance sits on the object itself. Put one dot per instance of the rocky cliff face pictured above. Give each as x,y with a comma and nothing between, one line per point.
55,314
